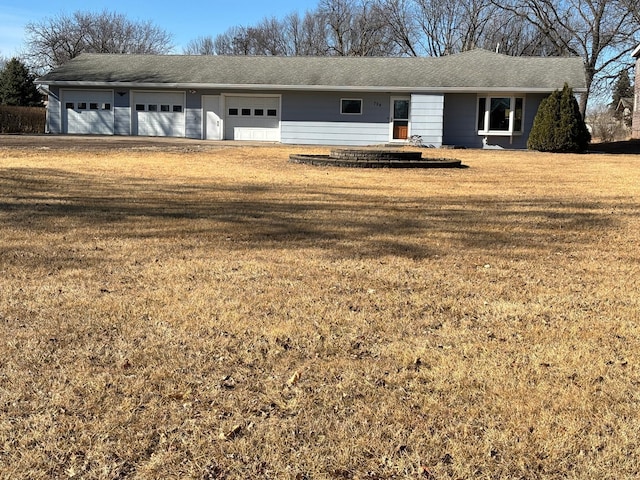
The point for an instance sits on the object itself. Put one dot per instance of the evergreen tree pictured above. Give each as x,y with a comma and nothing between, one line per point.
622,88
17,85
558,126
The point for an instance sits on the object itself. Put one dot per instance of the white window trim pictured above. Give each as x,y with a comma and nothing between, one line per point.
512,103
352,99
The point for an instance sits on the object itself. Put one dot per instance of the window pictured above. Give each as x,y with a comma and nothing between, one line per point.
500,115
93,106
82,106
351,106
258,112
177,108
68,105
233,112
272,112
246,112
106,106
165,108
152,108
139,107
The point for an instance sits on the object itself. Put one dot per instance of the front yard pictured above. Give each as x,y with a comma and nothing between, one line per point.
221,313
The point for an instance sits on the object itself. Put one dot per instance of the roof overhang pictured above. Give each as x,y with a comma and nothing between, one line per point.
636,52
322,88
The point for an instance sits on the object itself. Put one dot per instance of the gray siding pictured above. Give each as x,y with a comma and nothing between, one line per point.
193,115
122,112
461,122
54,111
426,118
315,118
334,133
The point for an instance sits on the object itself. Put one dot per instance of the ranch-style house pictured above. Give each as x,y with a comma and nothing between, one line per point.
473,99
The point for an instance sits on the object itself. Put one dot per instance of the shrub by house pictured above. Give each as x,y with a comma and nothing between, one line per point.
558,126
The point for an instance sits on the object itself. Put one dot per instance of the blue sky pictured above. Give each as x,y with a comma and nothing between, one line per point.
185,20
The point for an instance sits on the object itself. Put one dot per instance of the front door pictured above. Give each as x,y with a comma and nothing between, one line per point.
212,114
400,118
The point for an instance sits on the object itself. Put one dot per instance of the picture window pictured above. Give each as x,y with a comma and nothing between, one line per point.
500,115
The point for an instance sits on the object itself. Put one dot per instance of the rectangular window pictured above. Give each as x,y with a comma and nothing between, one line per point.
165,108
93,106
351,106
272,112
152,108
69,105
246,112
500,115
82,106
258,112
139,107
106,106
177,108
233,112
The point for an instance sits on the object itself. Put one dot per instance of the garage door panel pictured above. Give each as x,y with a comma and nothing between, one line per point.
252,118
159,114
87,112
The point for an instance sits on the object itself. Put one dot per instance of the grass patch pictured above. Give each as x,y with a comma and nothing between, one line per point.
227,314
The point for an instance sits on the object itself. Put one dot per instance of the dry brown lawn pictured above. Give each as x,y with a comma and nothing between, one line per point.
220,313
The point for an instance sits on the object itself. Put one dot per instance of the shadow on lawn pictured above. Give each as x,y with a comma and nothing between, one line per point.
353,223
625,147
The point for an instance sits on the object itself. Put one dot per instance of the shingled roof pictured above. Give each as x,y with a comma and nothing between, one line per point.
469,71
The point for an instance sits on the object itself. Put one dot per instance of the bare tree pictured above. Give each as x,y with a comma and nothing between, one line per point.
356,28
400,18
201,46
270,38
56,40
305,35
601,32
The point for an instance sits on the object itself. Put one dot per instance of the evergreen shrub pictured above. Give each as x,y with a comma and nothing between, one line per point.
558,126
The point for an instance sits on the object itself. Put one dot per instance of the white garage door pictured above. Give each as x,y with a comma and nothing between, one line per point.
252,118
158,114
87,112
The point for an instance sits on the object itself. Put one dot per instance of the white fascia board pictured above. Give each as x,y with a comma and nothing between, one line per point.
636,52
323,88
